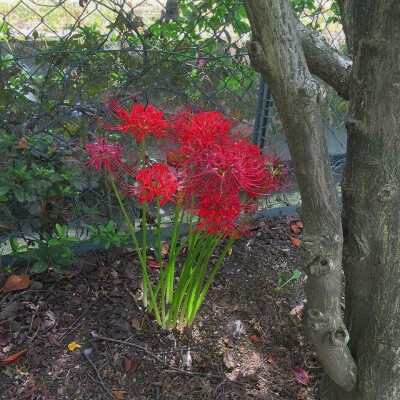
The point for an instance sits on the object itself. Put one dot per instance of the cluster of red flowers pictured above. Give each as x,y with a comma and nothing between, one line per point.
104,155
222,176
153,182
139,122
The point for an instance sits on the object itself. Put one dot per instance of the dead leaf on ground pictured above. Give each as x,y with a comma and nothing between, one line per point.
271,360
12,359
299,224
295,229
70,275
155,264
229,360
23,143
16,282
127,364
165,248
136,324
49,320
302,394
295,241
300,375
257,326
119,394
254,338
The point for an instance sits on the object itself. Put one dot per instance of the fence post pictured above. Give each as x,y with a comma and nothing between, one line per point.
263,114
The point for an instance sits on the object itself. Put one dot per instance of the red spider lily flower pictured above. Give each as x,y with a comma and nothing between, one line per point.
153,182
139,122
230,167
104,155
218,214
204,127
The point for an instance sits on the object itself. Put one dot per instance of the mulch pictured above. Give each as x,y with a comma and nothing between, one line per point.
244,343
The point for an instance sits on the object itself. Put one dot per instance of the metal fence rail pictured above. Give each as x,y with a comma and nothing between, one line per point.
61,60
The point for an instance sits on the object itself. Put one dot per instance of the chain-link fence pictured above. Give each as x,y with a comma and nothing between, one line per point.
62,59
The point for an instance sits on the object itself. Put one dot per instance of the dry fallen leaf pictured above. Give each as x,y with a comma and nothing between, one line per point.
119,394
23,143
295,229
230,251
302,394
299,224
136,324
229,360
165,248
12,359
301,376
271,360
155,264
295,241
254,338
16,282
127,364
257,326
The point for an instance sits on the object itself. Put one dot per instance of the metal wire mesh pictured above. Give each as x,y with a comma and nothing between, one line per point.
61,60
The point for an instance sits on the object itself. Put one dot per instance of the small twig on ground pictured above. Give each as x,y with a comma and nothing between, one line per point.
177,350
155,357
86,353
74,326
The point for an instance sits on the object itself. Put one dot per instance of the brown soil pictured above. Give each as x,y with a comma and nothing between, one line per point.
243,344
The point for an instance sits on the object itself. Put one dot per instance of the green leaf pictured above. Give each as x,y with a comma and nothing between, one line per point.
296,274
110,225
60,230
53,242
14,244
39,267
4,189
19,194
58,270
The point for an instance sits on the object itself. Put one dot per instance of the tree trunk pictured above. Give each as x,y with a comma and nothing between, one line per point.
371,201
276,51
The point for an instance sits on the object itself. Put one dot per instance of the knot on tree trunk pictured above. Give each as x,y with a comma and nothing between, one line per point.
387,192
318,254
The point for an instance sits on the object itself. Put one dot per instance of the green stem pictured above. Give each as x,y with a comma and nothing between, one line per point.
195,266
194,291
146,280
127,219
184,279
144,228
210,279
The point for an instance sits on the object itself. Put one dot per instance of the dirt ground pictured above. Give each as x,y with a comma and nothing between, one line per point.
243,345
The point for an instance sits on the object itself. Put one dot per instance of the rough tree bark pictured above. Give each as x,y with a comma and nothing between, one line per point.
371,188
371,202
276,52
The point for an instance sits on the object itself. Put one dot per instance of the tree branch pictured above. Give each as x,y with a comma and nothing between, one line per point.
324,61
276,51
